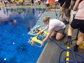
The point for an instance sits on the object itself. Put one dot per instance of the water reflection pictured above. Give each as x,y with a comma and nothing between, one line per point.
14,47
24,17
3,16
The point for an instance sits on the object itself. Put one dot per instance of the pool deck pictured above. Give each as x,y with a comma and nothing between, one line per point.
51,50
24,6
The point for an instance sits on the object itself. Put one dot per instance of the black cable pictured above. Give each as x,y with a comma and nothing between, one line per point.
55,11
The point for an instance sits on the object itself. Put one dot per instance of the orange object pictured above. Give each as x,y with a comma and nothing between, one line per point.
52,2
82,45
38,1
43,1
38,31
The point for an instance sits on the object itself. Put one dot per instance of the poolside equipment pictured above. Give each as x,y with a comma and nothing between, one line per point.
71,51
55,6
35,39
82,45
2,6
66,59
20,1
52,4
35,30
13,1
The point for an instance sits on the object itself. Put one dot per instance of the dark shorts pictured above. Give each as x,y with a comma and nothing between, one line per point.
67,6
76,23
67,3
47,5
61,31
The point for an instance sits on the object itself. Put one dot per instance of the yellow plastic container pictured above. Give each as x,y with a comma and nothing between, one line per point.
20,1
12,1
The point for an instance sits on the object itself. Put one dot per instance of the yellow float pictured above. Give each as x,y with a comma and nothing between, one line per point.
35,39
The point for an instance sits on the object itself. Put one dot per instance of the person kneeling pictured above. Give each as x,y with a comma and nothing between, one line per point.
56,28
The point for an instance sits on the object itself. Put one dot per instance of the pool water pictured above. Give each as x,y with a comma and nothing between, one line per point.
14,45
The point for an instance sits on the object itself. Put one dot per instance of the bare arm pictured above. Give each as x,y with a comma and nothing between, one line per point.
49,33
76,5
45,28
70,4
63,5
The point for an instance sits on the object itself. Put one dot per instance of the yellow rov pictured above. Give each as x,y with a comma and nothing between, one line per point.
35,39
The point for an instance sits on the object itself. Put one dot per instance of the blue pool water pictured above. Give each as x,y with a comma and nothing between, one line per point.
14,46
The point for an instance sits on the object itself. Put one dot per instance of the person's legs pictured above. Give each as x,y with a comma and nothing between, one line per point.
62,15
61,11
70,30
47,7
79,41
81,34
67,13
80,38
59,36
53,33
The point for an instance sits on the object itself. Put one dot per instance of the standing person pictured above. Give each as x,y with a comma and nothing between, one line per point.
78,22
9,1
0,3
74,1
68,4
47,5
56,28
6,2
72,12
62,7
32,2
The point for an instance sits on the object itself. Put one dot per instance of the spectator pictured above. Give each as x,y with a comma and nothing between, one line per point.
0,3
39,2
6,2
62,7
47,5
32,2
17,2
72,12
68,4
78,22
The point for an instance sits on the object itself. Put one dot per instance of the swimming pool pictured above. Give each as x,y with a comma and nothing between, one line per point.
14,47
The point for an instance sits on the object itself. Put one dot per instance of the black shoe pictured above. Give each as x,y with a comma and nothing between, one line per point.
75,48
67,43
66,22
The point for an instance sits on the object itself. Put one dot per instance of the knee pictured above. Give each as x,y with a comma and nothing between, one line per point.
58,38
